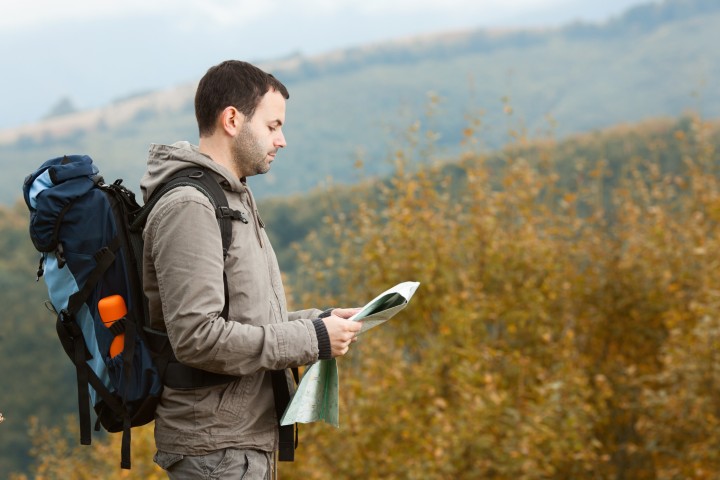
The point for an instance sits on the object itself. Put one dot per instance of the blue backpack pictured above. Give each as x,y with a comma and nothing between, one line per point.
89,234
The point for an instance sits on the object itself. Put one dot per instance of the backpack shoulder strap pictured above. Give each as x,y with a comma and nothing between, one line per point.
204,182
176,374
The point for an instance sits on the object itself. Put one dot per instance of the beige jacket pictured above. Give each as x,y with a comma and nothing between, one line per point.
183,281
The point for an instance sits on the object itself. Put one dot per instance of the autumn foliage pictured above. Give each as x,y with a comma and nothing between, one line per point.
567,324
59,455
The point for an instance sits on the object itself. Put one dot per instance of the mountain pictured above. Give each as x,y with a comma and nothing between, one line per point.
654,60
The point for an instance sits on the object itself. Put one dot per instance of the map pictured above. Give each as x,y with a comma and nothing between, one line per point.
317,395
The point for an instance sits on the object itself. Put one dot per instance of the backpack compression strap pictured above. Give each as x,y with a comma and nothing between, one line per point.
72,340
71,337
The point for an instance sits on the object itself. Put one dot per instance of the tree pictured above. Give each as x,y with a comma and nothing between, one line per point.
58,454
555,333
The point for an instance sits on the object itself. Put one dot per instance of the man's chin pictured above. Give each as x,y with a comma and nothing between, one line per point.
263,168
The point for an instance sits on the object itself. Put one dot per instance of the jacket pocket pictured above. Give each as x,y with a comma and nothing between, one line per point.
166,460
233,404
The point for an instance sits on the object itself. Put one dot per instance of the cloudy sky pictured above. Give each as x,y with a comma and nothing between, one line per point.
94,51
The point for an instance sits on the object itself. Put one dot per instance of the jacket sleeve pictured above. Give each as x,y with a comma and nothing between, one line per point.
186,251
310,313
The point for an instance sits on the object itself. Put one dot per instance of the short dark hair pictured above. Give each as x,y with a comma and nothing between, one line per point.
232,83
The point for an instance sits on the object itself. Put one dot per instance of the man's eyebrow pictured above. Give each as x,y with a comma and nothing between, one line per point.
278,122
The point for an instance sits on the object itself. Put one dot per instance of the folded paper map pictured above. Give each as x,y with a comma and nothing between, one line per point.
317,395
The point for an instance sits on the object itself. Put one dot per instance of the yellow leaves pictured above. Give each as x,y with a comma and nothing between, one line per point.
59,455
597,172
558,312
569,197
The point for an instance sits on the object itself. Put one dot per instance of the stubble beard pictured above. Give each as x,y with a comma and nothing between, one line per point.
248,154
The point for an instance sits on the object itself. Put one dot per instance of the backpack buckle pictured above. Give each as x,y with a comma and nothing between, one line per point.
227,212
64,316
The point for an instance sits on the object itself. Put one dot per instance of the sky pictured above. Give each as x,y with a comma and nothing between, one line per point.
96,51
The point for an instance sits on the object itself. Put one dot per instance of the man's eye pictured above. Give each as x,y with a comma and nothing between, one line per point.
272,129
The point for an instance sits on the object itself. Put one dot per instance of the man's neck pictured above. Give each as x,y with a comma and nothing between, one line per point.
219,153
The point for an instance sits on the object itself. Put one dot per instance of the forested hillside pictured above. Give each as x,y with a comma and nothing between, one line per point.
35,379
567,311
656,60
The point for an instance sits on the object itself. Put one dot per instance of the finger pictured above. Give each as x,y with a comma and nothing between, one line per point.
345,312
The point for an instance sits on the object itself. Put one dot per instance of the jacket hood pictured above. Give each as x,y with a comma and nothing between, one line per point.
165,160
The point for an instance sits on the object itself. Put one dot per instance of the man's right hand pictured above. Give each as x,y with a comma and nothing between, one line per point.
342,333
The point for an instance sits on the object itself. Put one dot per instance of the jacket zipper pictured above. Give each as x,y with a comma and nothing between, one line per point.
258,225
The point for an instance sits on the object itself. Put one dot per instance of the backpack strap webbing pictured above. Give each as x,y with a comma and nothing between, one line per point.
198,178
72,337
128,355
288,433
104,258
73,342
175,374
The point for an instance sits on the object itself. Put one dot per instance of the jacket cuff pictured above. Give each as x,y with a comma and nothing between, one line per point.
323,340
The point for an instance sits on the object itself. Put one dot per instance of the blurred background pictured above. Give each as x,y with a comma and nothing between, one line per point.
547,169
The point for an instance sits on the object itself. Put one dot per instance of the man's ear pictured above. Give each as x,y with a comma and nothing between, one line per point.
231,120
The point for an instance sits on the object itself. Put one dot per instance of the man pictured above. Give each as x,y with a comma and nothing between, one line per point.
228,430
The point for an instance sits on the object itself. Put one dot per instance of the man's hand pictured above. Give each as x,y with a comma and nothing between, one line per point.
341,331
345,312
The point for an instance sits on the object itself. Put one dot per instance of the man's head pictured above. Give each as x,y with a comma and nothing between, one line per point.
232,83
240,112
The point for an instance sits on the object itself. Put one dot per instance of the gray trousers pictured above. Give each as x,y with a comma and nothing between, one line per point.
230,463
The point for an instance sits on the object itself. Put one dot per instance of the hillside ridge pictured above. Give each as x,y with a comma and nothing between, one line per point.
297,67
362,103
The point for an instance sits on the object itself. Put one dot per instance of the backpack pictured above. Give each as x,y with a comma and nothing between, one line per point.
89,234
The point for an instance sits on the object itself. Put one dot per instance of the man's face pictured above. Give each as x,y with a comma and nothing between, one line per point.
261,137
